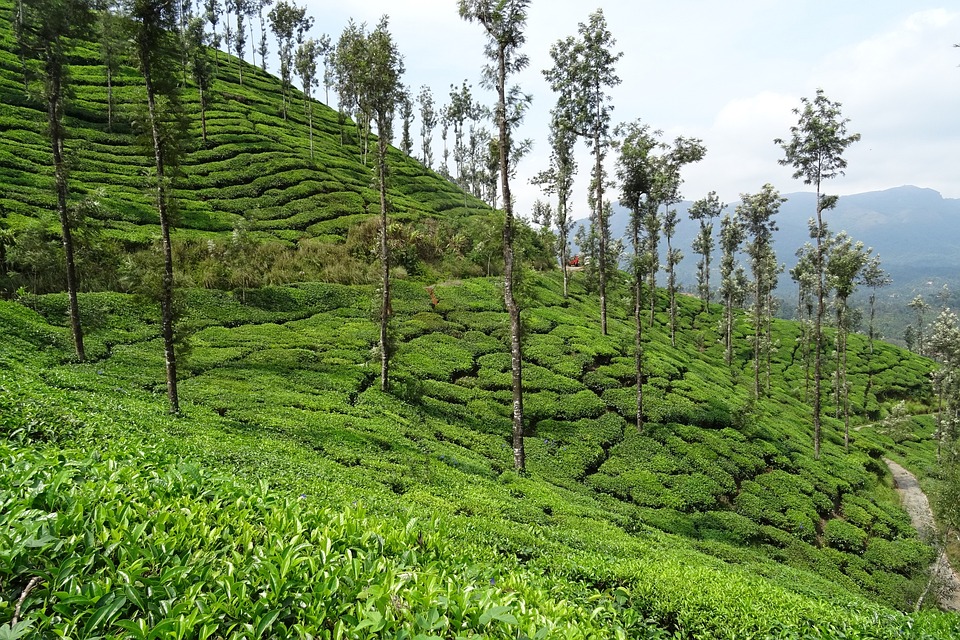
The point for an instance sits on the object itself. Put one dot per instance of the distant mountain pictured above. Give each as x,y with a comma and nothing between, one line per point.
915,231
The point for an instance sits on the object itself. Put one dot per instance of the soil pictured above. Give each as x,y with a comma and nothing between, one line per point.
916,504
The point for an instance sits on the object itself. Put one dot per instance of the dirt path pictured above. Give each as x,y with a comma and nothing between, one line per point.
916,504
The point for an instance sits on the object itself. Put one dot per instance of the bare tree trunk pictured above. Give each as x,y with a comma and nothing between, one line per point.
602,229
55,122
839,345
385,309
564,260
109,99
672,291
843,380
638,323
728,333
818,333
166,291
203,115
757,320
516,356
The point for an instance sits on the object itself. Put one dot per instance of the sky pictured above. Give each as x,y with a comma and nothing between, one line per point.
729,73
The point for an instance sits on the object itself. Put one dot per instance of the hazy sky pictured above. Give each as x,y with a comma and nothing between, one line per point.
728,73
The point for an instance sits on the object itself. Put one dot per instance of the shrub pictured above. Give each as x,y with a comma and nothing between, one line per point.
843,536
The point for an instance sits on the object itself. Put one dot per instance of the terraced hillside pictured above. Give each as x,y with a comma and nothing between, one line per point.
255,169
714,520
293,498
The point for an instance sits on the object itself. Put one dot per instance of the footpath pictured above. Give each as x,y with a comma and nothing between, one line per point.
916,504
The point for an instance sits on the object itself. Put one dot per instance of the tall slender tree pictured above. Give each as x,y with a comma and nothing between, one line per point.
704,211
369,69
200,68
815,151
263,46
289,23
756,213
804,274
636,171
731,237
428,122
305,63
874,278
212,14
920,308
350,59
683,152
109,32
582,73
47,26
152,23
945,349
406,118
846,261
242,9
504,22
558,181
325,48
385,68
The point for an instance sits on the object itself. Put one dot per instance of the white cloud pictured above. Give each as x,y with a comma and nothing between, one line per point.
729,74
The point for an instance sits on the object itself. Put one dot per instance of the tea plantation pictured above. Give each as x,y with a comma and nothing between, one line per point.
292,498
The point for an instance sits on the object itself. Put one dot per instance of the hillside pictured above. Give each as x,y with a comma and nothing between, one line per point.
255,171
714,520
293,498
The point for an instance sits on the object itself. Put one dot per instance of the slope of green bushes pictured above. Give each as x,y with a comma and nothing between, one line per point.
714,521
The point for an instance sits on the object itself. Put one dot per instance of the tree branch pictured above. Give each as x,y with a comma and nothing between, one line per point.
34,581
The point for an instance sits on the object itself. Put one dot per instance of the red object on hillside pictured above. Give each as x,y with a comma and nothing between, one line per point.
575,261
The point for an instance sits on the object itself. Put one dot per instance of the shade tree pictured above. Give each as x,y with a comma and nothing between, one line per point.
637,174
504,22
731,238
846,261
757,213
919,306
557,180
583,71
305,62
200,68
428,122
704,211
406,119
47,28
155,46
289,24
815,150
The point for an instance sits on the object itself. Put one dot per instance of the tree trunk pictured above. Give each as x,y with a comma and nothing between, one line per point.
728,333
638,324
843,378
671,292
384,266
839,345
55,122
818,333
253,46
166,287
768,322
109,99
564,258
602,239
203,114
516,356
757,320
